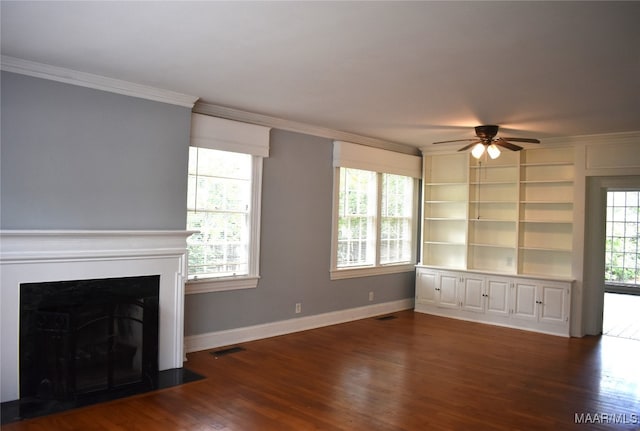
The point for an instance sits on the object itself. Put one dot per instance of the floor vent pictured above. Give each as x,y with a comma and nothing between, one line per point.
386,318
229,351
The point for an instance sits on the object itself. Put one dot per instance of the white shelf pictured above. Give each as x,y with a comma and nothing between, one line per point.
546,181
446,184
511,215
491,220
445,243
546,202
476,244
491,183
564,250
548,221
493,202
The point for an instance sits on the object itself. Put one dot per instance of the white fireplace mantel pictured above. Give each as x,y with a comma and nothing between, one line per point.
35,256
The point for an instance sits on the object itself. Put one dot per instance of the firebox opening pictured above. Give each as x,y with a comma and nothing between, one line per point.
84,338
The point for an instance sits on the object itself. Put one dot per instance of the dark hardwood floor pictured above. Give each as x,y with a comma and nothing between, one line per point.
414,372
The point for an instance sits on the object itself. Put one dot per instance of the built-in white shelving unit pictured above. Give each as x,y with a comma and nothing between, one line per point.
445,210
546,211
493,213
510,217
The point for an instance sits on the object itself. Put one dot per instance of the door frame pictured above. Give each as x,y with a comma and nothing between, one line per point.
594,244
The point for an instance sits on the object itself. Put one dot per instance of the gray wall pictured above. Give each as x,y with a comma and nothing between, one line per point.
77,158
295,248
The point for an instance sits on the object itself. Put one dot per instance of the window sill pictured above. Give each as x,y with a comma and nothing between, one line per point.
339,274
206,285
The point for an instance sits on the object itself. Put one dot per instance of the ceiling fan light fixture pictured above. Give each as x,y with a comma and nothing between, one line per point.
478,150
494,151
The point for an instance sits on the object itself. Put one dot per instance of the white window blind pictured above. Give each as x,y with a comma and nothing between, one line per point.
348,155
227,135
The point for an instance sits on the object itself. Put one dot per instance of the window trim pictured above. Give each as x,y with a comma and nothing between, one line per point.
376,268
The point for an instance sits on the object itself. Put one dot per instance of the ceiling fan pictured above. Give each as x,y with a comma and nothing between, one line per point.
486,141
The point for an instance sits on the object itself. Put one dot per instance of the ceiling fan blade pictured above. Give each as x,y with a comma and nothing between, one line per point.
456,140
530,140
502,143
466,147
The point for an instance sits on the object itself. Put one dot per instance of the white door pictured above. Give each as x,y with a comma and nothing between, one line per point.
497,296
553,307
426,287
473,293
447,291
524,301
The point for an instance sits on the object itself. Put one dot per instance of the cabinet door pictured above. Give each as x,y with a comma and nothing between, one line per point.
497,296
554,299
447,291
524,303
472,293
426,287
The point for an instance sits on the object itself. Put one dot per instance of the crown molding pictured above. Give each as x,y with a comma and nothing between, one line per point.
295,126
597,139
632,137
97,82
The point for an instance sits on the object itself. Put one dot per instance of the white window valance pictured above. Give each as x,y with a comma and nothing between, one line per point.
228,135
355,156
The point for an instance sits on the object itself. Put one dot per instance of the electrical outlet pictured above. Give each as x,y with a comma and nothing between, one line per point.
370,296
298,308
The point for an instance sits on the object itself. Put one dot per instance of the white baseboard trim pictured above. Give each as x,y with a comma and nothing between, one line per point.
194,343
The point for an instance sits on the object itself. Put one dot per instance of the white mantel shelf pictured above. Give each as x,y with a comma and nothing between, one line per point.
69,244
34,256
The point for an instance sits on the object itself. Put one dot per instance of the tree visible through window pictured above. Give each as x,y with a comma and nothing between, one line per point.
622,261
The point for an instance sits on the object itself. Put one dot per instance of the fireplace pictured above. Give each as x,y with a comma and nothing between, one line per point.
85,338
32,258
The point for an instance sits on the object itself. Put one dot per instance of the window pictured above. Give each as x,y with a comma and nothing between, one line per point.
622,255
374,211
356,219
396,236
219,207
223,203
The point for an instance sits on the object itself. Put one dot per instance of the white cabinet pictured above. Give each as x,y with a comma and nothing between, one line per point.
541,301
438,289
526,303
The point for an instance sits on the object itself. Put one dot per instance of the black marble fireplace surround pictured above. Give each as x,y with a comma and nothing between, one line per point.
87,341
87,336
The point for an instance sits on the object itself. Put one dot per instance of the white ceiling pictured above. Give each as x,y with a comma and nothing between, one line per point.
412,73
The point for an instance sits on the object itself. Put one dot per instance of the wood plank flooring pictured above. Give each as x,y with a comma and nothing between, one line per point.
621,316
414,372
